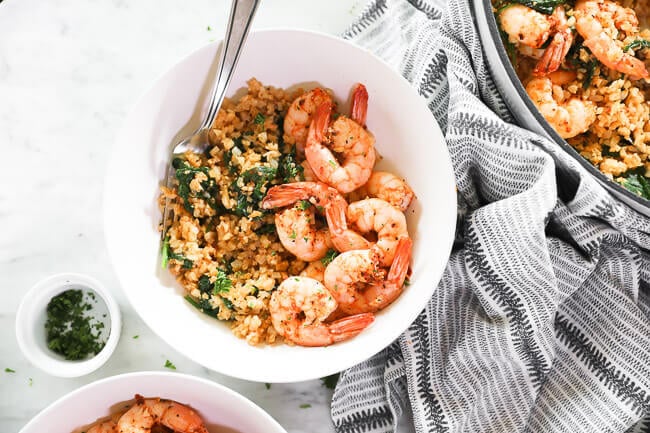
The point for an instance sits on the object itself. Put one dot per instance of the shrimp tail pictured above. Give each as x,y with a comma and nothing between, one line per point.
350,326
320,121
359,107
400,266
284,195
554,54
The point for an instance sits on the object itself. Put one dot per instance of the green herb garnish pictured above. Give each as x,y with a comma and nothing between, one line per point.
203,305
305,406
259,119
222,283
135,337
303,204
9,370
170,365
69,331
167,253
267,385
329,256
292,235
589,75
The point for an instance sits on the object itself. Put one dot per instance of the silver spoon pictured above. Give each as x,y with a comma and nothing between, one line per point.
239,23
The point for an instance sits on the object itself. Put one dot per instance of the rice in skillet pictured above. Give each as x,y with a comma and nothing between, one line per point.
221,247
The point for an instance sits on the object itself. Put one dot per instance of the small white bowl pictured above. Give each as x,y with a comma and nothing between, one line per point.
31,317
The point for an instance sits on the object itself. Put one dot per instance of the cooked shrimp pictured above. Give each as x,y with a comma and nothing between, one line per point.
300,113
357,283
299,234
314,270
149,412
307,172
598,22
388,187
299,308
346,137
530,30
108,426
322,197
569,118
376,215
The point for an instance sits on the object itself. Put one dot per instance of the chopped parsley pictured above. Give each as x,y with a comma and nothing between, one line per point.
292,235
267,385
31,381
70,332
329,256
9,370
135,337
303,204
259,119
170,365
222,283
305,406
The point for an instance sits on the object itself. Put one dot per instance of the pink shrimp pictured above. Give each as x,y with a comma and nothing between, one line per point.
357,282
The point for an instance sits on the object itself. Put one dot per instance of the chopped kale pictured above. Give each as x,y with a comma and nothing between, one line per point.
639,43
638,184
203,305
186,174
204,285
589,75
227,303
544,6
266,229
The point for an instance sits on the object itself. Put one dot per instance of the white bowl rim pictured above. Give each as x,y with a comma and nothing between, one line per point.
163,374
38,296
285,378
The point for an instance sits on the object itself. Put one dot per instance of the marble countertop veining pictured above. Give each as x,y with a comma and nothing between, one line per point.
69,72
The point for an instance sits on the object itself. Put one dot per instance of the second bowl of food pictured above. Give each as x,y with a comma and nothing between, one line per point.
310,233
577,72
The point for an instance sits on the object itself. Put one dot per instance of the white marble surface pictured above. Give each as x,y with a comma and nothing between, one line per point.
69,72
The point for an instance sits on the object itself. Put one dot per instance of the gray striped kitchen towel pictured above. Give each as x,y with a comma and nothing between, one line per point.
541,320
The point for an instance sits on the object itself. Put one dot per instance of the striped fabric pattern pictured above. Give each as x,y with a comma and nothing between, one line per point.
541,322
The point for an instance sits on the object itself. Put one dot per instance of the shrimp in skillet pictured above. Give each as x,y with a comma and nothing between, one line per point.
357,282
598,22
529,30
379,216
569,117
345,136
150,412
299,308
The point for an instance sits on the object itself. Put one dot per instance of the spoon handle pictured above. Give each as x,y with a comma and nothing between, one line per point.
239,23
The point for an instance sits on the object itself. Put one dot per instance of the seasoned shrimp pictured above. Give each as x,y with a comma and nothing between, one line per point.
530,30
299,308
346,137
322,197
108,426
376,215
388,187
598,22
569,118
357,283
149,412
300,113
299,234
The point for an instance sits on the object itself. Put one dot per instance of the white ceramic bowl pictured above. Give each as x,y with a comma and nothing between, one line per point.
407,136
31,317
220,408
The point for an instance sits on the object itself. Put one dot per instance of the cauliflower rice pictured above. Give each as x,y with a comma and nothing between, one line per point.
221,247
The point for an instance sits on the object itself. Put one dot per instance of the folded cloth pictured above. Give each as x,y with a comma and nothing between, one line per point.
541,320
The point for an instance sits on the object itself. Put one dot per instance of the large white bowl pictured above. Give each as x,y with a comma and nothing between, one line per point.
407,136
220,408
